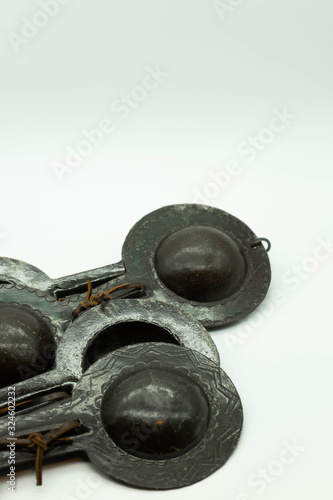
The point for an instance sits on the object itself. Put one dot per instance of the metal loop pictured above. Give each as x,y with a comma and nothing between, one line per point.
258,241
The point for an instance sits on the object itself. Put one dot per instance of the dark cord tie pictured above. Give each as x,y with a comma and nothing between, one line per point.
41,441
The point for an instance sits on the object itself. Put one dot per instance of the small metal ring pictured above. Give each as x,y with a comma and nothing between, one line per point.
258,241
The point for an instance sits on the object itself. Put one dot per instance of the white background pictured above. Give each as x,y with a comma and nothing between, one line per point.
229,70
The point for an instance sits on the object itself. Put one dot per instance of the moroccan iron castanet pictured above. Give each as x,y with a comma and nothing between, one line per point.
97,332
151,415
134,383
197,257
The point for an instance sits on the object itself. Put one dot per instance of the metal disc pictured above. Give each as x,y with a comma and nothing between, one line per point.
144,413
201,258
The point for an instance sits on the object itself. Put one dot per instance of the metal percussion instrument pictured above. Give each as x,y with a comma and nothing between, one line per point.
116,362
151,415
197,257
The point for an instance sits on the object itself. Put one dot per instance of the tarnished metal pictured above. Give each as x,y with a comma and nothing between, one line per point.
155,347
63,358
197,257
152,415
141,375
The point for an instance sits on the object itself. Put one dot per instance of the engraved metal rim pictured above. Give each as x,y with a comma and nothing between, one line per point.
145,237
214,449
38,313
71,349
22,273
57,311
84,331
